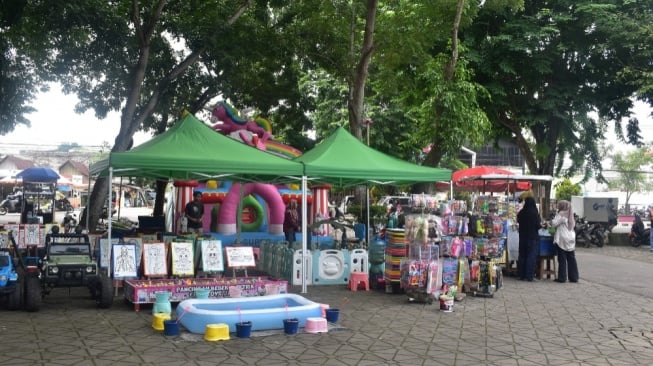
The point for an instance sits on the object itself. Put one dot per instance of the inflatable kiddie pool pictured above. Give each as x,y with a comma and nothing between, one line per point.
265,312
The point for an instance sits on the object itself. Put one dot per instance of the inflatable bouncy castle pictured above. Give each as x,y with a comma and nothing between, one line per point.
263,205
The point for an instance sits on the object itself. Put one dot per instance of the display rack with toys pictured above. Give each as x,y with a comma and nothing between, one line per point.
420,271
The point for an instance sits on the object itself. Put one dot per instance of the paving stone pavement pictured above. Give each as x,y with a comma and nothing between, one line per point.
538,323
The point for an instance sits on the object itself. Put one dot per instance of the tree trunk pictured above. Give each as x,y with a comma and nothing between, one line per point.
356,102
159,201
132,115
435,155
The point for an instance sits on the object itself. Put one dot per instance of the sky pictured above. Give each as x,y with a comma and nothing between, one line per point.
55,122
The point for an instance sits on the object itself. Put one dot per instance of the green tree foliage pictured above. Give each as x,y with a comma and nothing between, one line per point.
19,81
430,105
444,73
121,55
547,67
634,169
565,189
68,146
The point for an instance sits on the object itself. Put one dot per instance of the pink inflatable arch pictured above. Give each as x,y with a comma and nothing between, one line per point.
227,215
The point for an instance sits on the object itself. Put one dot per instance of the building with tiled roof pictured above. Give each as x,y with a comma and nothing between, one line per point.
75,171
11,165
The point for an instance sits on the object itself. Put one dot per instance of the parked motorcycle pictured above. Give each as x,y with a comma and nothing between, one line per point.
583,229
590,233
69,223
644,238
638,234
11,204
599,234
335,213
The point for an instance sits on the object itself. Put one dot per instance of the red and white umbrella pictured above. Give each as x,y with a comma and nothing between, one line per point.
472,180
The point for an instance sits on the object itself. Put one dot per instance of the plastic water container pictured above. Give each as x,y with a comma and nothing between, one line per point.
376,252
546,246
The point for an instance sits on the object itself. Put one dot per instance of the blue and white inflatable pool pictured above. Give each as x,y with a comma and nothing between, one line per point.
265,312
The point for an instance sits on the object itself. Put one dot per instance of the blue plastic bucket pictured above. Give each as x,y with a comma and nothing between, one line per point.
290,326
170,327
332,315
244,329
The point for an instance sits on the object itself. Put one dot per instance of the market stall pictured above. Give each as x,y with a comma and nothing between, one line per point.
342,160
39,187
508,206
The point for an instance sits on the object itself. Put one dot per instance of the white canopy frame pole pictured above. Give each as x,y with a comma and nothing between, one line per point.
367,227
110,207
304,232
172,207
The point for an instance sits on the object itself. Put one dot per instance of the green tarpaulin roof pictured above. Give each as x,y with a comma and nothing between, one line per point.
343,160
192,150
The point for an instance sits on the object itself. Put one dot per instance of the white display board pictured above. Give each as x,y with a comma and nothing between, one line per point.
240,257
212,259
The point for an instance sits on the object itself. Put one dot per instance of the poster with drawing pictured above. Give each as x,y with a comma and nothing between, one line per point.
155,262
4,239
105,251
182,258
138,242
124,260
20,237
15,232
32,234
240,257
212,260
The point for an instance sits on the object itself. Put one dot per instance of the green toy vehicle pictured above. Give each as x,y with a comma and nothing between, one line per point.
67,262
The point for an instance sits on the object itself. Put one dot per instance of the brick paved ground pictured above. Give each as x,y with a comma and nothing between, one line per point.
540,323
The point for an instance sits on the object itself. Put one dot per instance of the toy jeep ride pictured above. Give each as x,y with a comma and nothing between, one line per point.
21,287
10,287
67,262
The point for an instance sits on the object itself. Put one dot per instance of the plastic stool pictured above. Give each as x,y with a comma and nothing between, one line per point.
316,325
162,304
324,307
357,278
157,320
547,266
216,332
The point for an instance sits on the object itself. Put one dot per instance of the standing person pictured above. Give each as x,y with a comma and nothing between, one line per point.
195,213
529,222
638,228
650,216
564,240
612,214
291,222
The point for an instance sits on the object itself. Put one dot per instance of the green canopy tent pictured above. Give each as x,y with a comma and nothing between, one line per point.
343,160
192,150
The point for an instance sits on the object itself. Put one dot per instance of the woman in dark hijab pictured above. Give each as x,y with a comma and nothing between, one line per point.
528,219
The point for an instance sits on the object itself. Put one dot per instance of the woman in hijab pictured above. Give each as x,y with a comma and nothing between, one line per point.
529,222
565,241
